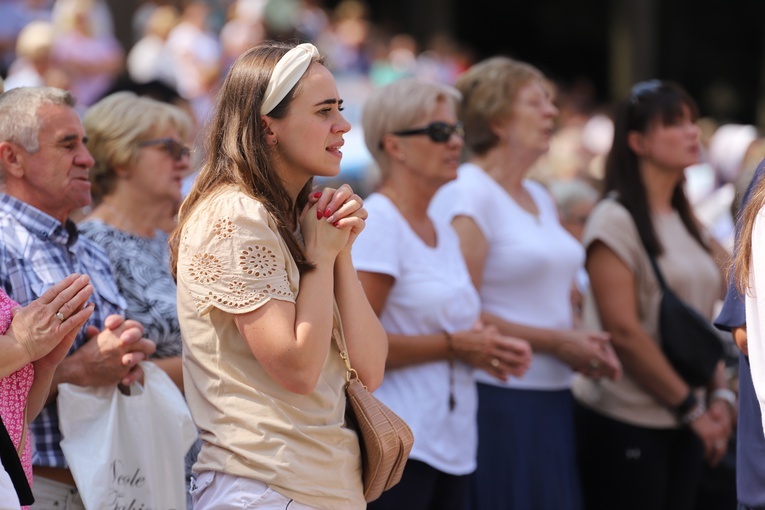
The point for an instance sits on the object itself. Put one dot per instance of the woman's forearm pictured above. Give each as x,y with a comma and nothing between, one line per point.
364,335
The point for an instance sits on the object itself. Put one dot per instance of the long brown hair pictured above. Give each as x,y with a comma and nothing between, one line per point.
745,222
236,149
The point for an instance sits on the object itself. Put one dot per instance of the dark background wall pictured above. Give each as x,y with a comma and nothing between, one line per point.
713,47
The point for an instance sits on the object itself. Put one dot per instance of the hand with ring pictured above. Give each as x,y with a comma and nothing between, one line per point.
499,355
46,328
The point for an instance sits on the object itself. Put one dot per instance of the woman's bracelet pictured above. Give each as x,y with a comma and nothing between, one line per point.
724,394
694,414
687,405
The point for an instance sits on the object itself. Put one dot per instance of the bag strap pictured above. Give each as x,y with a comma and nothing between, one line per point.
12,465
657,272
651,258
337,324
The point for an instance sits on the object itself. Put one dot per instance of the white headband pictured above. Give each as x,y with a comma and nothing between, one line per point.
287,73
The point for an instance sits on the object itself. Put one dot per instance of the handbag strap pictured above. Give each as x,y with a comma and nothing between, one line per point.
12,465
657,271
654,264
339,339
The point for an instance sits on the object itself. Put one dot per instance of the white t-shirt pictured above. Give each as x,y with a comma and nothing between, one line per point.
8,498
432,293
530,267
755,311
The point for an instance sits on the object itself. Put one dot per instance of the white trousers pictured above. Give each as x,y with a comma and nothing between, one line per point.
221,491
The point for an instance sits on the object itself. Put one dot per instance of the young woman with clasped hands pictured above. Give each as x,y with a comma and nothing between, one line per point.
264,274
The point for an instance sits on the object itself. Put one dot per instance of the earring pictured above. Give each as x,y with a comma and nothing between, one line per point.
276,141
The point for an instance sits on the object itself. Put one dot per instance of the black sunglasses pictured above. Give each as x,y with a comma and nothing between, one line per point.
643,88
438,132
176,150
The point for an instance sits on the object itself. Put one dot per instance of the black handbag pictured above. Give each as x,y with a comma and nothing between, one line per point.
688,339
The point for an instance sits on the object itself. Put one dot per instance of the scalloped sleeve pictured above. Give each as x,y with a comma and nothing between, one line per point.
231,256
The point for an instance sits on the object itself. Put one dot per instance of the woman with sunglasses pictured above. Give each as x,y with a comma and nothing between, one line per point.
524,265
643,440
414,276
267,291
140,159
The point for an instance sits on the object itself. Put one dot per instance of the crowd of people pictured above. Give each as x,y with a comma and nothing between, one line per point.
490,269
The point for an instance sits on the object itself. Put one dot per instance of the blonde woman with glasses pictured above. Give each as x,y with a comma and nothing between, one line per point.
413,273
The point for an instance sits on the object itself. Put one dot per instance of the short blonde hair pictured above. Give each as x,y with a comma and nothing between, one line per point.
489,89
117,124
400,105
35,40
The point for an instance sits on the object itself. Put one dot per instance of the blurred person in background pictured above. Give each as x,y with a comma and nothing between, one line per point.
92,59
34,66
523,264
150,59
16,14
196,51
140,153
243,30
643,440
415,278
575,199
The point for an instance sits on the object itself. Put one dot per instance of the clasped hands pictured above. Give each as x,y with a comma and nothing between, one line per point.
486,348
338,213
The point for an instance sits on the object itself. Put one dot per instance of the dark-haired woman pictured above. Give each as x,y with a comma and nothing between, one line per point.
264,275
643,439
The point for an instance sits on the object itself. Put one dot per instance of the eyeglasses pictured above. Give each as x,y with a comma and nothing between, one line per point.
438,132
643,88
176,150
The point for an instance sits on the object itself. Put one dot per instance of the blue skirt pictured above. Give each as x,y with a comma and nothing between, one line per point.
526,451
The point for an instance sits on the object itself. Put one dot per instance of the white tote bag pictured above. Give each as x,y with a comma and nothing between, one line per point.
127,451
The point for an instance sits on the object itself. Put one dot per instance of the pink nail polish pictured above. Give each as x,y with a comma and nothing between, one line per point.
327,213
336,223
317,194
319,215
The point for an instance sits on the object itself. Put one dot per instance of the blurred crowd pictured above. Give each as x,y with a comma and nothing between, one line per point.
181,50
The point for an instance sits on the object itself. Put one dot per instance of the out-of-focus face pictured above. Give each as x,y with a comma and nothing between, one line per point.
674,146
310,137
575,218
434,162
55,178
162,163
532,123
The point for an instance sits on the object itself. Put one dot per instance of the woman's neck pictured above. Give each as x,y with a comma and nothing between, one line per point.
412,197
508,168
660,184
140,218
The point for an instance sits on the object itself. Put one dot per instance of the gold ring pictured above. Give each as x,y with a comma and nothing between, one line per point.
495,362
60,316
594,364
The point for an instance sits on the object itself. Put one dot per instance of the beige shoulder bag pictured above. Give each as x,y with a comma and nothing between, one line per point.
385,438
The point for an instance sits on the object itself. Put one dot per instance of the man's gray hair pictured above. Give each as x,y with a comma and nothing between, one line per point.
19,122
